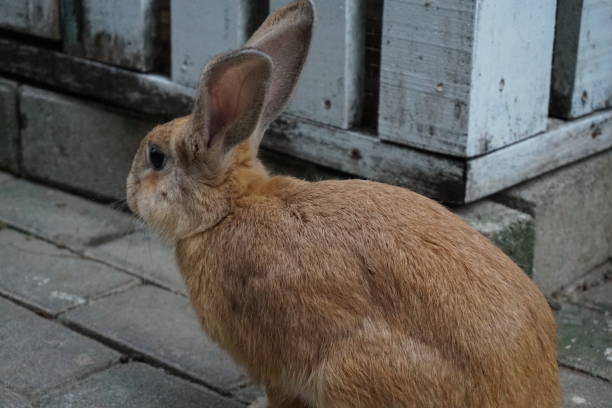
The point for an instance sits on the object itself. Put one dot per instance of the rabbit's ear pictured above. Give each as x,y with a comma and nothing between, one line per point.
230,101
285,37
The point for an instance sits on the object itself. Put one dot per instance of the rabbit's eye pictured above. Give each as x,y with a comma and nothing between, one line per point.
157,158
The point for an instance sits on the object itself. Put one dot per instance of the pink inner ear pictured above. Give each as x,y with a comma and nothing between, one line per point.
228,100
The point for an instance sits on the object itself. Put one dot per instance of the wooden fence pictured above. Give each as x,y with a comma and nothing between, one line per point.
457,99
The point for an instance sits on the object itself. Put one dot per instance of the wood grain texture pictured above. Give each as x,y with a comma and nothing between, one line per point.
582,63
145,93
562,144
446,178
465,77
368,157
35,17
116,32
331,86
202,29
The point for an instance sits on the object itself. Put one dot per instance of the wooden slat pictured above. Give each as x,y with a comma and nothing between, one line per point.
561,144
331,86
448,179
35,17
146,93
116,32
203,28
582,64
367,156
465,77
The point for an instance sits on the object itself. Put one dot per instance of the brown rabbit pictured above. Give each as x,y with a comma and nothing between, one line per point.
335,293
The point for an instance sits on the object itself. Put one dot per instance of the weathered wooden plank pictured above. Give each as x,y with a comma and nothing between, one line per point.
146,93
35,17
367,156
465,77
561,144
331,86
203,28
449,179
582,62
117,32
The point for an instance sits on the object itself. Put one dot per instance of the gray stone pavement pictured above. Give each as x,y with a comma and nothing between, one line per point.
93,313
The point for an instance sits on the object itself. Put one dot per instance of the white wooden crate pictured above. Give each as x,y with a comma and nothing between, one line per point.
35,17
465,77
330,90
582,64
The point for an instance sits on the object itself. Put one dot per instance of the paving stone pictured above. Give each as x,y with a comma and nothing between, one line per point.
80,144
135,385
599,296
9,399
573,219
52,279
60,217
249,393
511,230
9,136
144,254
583,391
162,326
39,354
584,340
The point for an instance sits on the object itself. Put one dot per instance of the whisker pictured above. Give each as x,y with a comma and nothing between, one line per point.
120,205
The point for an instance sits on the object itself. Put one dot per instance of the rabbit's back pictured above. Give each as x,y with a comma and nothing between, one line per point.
355,289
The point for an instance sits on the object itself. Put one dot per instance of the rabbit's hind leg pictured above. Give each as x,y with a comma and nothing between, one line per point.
396,371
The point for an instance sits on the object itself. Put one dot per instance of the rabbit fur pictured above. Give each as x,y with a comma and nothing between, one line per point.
333,293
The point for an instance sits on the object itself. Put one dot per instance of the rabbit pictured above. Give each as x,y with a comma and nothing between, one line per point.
336,294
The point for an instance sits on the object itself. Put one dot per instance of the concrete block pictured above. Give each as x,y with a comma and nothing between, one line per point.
203,28
38,354
34,17
162,326
79,144
331,86
9,399
144,254
573,219
582,59
51,279
116,32
135,385
465,77
584,340
582,391
9,136
59,217
511,230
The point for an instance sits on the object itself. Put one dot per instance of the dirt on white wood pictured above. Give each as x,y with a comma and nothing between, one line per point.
35,17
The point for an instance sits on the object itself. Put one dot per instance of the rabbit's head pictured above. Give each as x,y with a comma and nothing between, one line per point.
188,172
